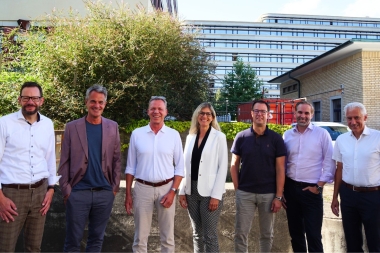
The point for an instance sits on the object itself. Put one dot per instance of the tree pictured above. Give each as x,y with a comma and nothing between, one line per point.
134,55
239,85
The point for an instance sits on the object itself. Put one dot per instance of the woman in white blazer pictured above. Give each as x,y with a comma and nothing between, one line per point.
201,190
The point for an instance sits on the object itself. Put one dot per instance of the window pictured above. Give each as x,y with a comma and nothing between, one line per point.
317,111
336,110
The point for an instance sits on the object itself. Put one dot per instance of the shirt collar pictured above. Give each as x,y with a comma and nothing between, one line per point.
21,116
310,127
265,131
149,129
366,131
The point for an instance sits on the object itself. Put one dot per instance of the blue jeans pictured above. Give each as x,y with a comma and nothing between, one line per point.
360,208
305,215
246,203
94,206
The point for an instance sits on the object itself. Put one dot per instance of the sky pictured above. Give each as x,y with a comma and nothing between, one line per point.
251,10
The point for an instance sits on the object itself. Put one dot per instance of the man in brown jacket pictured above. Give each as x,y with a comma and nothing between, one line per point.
90,170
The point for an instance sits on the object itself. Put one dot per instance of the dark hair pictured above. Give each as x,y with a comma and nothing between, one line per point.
305,103
260,101
31,84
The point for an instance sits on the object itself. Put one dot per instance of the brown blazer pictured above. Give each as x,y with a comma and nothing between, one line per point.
74,154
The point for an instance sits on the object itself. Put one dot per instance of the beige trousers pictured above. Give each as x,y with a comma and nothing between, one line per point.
145,199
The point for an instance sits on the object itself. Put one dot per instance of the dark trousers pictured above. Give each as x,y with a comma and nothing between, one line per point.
305,215
360,208
94,206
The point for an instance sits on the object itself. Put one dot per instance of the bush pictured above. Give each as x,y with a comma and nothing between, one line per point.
134,55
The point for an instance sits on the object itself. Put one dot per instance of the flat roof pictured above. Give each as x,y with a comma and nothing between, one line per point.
342,51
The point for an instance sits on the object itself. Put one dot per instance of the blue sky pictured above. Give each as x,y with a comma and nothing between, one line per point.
250,10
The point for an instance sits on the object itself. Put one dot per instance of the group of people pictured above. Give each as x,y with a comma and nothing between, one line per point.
268,171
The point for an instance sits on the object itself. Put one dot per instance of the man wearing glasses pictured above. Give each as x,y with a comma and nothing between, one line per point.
258,174
27,171
90,169
155,161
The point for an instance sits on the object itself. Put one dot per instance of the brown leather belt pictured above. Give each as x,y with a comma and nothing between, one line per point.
155,184
24,186
362,189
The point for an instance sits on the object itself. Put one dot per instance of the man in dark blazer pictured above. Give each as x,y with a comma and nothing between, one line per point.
90,170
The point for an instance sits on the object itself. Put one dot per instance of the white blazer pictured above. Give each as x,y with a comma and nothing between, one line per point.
212,167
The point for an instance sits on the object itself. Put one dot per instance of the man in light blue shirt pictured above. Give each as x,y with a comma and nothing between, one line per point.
309,166
155,161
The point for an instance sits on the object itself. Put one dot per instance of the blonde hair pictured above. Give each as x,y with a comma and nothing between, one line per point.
194,128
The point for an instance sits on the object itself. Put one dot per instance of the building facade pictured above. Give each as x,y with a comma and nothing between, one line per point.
277,43
11,11
348,73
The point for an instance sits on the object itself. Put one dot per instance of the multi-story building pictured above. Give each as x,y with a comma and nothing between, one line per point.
277,43
14,12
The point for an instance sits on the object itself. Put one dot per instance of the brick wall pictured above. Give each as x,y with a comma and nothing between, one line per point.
358,73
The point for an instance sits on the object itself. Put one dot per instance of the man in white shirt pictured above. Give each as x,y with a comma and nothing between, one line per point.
357,180
155,160
27,171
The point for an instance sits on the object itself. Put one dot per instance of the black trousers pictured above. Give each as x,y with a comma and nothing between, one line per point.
305,215
360,208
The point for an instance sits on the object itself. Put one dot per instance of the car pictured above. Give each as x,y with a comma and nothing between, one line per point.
333,128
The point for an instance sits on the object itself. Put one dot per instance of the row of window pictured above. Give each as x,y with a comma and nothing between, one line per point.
260,71
321,22
291,45
217,84
293,33
262,57
290,88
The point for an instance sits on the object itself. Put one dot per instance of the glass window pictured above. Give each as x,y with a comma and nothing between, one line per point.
264,32
336,110
242,31
317,111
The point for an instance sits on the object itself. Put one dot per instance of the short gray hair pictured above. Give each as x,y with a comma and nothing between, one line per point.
98,88
158,98
354,105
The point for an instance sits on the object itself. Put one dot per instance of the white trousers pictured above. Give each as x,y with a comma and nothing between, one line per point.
145,198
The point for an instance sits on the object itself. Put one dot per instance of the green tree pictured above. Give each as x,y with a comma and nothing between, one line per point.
239,85
134,55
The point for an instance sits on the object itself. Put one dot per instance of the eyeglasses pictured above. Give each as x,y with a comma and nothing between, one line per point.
208,114
26,99
260,111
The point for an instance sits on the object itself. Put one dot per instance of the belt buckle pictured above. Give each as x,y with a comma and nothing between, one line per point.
30,187
353,188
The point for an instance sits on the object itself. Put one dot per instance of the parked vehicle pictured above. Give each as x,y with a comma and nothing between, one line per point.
334,128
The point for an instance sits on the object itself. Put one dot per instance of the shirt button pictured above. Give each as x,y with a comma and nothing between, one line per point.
200,175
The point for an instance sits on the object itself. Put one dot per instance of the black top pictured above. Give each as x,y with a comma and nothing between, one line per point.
196,155
258,155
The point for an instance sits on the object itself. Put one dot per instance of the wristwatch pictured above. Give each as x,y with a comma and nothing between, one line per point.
279,198
319,188
174,190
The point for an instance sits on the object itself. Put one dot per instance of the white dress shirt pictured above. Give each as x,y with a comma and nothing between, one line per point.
309,156
27,152
360,157
155,157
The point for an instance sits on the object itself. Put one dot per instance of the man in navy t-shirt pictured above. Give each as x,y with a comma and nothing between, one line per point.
90,169
258,174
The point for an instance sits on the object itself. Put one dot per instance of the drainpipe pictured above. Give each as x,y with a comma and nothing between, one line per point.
299,84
